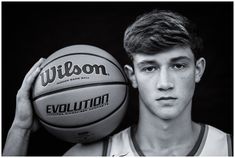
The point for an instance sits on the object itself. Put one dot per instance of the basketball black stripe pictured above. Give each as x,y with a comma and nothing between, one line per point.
78,87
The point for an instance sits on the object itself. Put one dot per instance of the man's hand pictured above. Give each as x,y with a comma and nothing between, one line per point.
18,135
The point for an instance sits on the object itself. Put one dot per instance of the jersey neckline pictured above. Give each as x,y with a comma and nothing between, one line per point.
191,153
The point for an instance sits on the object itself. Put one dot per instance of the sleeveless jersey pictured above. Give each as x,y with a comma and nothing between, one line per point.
211,142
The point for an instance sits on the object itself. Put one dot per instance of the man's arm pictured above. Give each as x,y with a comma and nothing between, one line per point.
17,141
19,133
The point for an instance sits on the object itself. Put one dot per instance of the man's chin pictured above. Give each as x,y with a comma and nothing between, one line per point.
168,114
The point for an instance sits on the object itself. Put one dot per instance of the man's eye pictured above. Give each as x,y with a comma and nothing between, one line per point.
178,66
149,69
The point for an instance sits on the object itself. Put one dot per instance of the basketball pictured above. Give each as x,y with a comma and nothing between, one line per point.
81,94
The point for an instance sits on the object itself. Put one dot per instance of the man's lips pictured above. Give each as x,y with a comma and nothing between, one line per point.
166,98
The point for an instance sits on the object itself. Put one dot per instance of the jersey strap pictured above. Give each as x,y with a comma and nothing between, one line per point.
199,141
230,145
105,147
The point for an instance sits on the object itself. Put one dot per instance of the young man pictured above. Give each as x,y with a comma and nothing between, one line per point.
166,65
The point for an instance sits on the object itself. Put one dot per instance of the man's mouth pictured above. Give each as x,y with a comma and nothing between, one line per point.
166,98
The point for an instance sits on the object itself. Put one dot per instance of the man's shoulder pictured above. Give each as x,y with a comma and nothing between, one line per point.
215,134
122,132
215,142
216,131
91,149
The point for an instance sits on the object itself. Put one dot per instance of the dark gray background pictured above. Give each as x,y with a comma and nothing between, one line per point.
37,29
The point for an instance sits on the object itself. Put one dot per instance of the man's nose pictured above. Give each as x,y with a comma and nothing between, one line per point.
164,81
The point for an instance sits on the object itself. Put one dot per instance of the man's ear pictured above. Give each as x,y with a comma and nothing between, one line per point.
200,68
131,75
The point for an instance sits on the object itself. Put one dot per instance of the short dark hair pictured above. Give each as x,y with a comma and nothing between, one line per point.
160,30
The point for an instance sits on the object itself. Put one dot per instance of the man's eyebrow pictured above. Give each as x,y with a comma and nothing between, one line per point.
180,58
153,62
145,62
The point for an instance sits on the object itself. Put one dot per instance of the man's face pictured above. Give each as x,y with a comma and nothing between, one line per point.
166,81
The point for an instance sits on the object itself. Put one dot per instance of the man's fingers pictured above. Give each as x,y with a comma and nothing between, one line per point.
29,80
31,75
35,66
36,125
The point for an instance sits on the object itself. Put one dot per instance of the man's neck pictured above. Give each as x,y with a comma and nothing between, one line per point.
167,137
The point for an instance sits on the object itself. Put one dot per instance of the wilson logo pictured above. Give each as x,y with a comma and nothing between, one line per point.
69,69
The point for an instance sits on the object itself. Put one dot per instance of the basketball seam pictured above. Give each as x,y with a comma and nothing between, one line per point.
77,87
87,124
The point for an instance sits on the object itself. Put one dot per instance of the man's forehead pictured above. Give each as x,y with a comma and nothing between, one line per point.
169,55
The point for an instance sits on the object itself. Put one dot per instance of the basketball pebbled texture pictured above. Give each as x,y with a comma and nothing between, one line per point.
81,94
